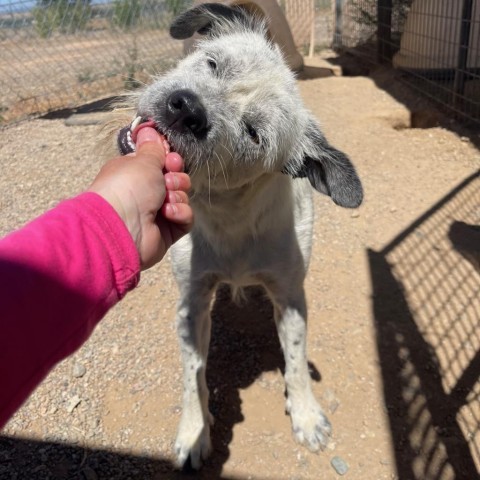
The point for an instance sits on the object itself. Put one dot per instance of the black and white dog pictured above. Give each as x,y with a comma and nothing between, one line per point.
232,110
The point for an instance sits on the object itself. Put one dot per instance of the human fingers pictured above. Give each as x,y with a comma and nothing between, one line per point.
176,196
178,213
150,144
177,181
174,162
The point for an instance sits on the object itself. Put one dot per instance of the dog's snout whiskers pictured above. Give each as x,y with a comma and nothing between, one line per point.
222,168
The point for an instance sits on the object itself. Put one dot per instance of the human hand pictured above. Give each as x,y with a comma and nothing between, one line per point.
153,205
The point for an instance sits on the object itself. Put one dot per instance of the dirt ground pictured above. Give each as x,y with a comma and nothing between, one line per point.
393,297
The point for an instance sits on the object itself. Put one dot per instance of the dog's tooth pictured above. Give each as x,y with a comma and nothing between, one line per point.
130,142
135,123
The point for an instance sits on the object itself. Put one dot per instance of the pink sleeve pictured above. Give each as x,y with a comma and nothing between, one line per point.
59,275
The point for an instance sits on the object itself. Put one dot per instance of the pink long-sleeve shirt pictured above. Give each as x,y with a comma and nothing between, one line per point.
59,275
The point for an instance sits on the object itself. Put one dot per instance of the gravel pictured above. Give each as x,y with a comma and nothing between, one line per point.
111,410
339,465
79,370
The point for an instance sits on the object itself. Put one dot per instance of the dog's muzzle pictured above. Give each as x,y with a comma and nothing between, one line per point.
185,113
127,136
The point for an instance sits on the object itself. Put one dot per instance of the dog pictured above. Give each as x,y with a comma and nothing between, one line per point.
231,108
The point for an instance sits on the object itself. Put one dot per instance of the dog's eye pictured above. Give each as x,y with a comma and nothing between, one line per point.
212,64
253,134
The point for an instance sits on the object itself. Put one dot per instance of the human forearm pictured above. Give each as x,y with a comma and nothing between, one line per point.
60,275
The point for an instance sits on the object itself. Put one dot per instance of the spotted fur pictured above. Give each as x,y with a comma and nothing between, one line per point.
252,172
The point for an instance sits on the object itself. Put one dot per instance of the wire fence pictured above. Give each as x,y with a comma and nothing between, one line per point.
434,43
57,54
61,53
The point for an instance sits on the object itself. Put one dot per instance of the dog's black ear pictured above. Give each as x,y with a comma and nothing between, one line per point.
329,170
201,19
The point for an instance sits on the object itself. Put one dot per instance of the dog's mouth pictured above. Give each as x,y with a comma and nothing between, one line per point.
127,136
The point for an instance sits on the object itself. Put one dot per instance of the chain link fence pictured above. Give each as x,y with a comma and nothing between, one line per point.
434,43
62,53
57,54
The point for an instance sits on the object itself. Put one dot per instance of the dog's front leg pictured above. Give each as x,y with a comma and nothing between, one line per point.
194,324
310,425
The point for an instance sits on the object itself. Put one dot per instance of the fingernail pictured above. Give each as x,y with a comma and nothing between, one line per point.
172,181
149,134
173,208
176,159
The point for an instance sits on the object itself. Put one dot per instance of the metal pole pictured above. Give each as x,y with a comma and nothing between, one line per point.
461,70
311,50
384,30
337,36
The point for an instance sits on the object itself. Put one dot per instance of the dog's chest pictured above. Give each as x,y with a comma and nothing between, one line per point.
237,223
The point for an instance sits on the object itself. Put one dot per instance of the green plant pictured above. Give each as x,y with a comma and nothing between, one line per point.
126,13
67,16
3,109
131,82
175,7
86,76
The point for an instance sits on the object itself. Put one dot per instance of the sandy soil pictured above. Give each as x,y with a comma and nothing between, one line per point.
393,297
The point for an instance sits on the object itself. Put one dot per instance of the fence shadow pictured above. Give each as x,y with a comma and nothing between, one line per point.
26,459
427,105
426,306
244,344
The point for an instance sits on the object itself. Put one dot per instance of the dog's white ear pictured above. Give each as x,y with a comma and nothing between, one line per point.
329,170
202,18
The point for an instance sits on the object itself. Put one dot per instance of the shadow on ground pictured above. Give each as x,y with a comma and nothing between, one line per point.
236,360
426,306
405,89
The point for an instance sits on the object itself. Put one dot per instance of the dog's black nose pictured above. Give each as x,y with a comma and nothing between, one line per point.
185,113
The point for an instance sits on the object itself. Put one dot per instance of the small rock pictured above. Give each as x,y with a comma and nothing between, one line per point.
331,445
89,474
73,403
339,465
355,215
331,401
39,468
78,370
93,423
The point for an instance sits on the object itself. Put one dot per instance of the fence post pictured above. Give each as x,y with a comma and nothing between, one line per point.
337,36
384,30
461,70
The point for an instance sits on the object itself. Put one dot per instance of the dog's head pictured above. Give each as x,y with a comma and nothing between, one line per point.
232,109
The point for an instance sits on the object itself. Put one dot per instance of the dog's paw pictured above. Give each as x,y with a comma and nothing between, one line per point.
310,425
193,442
